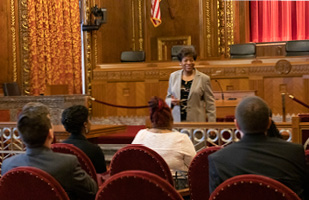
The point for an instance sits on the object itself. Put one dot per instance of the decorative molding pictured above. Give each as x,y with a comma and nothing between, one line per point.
283,67
133,24
14,44
162,73
221,26
208,28
24,44
140,26
229,25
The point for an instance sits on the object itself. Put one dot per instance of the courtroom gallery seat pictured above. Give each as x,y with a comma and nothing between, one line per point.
198,174
242,50
139,157
132,56
83,159
297,48
29,183
253,187
137,185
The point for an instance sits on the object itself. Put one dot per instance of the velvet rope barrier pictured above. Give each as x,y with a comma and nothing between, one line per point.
298,101
117,106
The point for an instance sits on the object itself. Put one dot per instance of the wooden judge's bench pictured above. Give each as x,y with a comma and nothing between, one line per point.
133,84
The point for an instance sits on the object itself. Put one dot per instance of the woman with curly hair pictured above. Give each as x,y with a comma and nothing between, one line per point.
75,121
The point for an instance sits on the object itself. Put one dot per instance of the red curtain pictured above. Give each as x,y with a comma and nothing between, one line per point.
274,20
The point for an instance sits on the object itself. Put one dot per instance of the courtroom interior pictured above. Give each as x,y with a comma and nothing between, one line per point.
113,57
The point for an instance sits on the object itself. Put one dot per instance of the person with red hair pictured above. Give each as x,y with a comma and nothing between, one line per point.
176,148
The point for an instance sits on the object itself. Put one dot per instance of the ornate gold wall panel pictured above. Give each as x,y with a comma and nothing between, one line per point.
216,28
14,43
225,27
24,44
229,26
137,28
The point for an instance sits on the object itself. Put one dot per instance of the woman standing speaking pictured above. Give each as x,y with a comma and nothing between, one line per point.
189,92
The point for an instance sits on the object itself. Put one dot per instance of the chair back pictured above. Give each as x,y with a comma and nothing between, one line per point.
11,89
132,56
297,48
138,185
139,157
253,187
198,174
83,159
242,50
177,48
27,183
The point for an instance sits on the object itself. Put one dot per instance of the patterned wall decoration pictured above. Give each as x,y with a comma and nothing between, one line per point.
14,44
24,44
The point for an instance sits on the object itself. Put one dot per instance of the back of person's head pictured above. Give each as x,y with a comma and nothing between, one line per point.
73,119
186,51
34,124
252,115
160,113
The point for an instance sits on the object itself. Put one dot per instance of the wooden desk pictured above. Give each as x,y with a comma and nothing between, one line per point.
95,131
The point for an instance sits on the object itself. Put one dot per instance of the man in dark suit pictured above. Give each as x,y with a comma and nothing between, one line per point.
36,132
256,153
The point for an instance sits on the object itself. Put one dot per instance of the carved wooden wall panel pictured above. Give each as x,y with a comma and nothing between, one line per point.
9,38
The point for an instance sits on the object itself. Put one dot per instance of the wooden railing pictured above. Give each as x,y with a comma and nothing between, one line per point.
202,134
222,133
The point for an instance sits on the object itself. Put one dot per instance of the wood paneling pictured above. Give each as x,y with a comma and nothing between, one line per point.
270,49
133,84
9,38
5,41
116,35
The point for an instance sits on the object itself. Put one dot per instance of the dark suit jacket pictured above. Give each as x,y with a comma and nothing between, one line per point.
93,151
201,101
64,168
259,154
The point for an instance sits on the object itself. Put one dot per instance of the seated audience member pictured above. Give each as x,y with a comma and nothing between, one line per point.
176,148
35,129
257,153
75,121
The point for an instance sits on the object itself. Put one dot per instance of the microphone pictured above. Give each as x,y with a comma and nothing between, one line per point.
222,93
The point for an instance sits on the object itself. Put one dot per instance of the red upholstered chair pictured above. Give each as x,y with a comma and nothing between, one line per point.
139,157
28,183
253,187
137,185
83,159
198,174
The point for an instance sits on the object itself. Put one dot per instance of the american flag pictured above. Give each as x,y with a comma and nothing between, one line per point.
155,12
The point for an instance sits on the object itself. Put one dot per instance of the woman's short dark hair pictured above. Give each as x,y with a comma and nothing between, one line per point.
160,113
186,51
73,118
